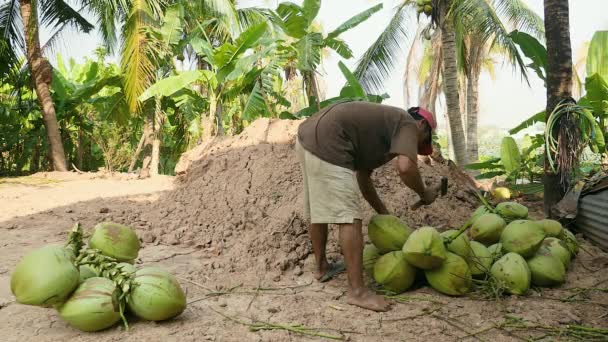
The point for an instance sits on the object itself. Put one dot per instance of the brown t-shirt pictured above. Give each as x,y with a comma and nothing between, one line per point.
360,135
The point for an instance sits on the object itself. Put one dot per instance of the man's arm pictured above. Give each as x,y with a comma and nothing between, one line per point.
410,176
369,192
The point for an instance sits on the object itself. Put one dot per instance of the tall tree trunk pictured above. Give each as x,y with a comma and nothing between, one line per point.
450,83
80,149
157,127
147,147
35,162
140,146
559,82
312,90
219,119
41,72
476,56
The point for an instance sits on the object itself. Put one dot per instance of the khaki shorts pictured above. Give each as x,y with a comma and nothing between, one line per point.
331,192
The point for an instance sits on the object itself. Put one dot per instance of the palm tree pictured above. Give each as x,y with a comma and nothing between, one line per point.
559,81
453,21
28,14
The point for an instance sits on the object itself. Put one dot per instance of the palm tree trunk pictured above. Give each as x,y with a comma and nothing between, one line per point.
450,83
559,82
41,72
476,55
157,126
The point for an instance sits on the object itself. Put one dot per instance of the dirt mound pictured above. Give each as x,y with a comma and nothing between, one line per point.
241,198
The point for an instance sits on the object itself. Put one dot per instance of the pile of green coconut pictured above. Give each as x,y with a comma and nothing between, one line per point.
93,287
498,245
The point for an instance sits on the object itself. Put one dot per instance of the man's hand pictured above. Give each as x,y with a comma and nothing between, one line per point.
430,194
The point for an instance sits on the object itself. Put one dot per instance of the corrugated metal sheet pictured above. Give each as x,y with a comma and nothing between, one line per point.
592,218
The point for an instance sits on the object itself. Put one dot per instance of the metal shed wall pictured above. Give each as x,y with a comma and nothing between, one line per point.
592,218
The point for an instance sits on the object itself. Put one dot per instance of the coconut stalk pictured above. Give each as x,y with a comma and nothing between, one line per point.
569,332
108,268
295,328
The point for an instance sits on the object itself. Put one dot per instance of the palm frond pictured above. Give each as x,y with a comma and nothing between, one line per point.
137,60
108,14
252,16
522,17
379,61
225,12
482,20
58,13
11,26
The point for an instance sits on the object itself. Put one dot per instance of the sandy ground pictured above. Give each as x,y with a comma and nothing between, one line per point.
231,228
35,214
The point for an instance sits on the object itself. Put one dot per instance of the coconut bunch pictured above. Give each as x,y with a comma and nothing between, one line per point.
523,252
92,287
424,6
499,245
398,253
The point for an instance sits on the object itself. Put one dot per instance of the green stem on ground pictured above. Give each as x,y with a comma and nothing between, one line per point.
296,328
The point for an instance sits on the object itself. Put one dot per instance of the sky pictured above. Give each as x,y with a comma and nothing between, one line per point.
505,100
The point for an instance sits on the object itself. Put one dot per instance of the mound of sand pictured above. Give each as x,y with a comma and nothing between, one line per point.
242,198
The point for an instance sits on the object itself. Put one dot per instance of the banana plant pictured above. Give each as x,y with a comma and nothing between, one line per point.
297,22
352,91
235,68
521,167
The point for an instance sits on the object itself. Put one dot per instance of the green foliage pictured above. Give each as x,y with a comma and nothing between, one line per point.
352,91
515,164
509,155
534,119
534,50
597,57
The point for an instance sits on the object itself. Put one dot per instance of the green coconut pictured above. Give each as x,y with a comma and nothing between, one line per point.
523,237
496,251
157,296
425,249
394,273
87,272
370,256
546,270
388,233
459,246
45,276
551,227
478,212
93,306
512,211
453,277
570,241
556,248
115,240
487,229
513,273
480,260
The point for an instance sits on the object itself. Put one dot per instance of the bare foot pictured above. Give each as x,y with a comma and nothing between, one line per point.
368,300
322,270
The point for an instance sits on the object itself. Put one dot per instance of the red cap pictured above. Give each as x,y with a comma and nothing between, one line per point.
427,149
